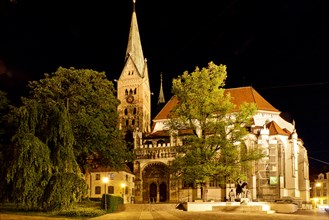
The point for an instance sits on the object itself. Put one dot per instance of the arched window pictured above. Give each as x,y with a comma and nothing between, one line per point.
135,111
126,111
133,122
135,91
127,122
130,92
126,92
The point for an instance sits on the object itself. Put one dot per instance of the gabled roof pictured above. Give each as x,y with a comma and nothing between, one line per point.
250,95
275,129
239,95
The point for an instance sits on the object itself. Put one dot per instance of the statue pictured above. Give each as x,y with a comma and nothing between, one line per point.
240,189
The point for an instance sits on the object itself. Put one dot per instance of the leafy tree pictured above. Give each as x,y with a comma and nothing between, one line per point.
92,106
69,117
4,142
215,144
38,158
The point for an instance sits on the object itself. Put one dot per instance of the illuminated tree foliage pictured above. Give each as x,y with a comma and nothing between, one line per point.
92,107
214,145
4,142
68,122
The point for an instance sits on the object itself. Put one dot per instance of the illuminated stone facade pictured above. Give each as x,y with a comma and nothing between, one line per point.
284,172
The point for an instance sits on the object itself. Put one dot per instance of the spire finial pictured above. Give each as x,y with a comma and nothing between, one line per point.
161,98
134,1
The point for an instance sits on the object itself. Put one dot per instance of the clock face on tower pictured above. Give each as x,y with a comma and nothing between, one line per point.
130,98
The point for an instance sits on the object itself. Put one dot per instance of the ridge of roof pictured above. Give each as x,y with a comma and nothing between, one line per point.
250,95
275,129
239,95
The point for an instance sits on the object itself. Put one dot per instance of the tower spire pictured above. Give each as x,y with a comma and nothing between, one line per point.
133,85
161,98
134,3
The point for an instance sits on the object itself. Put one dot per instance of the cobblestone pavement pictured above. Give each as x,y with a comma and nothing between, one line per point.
151,212
169,212
183,215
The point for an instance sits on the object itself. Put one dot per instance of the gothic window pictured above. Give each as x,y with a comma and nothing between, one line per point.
133,122
135,91
126,111
130,92
135,111
126,92
127,122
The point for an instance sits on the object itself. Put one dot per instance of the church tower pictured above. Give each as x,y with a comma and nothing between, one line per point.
133,89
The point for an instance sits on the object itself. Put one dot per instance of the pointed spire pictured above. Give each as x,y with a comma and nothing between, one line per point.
134,3
161,98
134,47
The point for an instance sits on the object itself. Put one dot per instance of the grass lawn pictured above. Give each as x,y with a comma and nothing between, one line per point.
81,210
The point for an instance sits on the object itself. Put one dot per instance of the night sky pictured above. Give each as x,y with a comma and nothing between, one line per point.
279,47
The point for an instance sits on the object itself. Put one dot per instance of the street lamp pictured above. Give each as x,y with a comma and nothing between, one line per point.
123,186
105,180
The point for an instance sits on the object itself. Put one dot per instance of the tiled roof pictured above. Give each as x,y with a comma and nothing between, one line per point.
239,95
274,129
158,134
250,95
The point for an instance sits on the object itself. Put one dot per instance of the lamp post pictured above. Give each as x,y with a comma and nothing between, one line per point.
105,180
123,186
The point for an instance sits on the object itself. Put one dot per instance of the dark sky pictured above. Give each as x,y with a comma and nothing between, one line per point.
278,47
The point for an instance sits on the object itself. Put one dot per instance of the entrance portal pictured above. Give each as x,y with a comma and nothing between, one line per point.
153,193
155,183
163,192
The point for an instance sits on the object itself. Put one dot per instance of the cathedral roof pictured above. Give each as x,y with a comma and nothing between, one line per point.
275,129
239,95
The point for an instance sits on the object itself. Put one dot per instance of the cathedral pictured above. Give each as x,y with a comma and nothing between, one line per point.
284,172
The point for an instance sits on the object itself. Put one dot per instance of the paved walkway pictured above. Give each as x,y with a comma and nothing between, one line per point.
167,212
158,212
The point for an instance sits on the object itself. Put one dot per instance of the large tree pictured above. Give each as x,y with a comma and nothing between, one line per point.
92,106
215,144
68,121
4,142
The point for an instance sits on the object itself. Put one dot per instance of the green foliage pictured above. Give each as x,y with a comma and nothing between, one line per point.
4,146
92,105
112,202
214,147
69,118
57,197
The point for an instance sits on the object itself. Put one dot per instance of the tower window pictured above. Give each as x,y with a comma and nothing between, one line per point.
133,122
135,91
127,122
126,92
134,111
126,111
130,92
